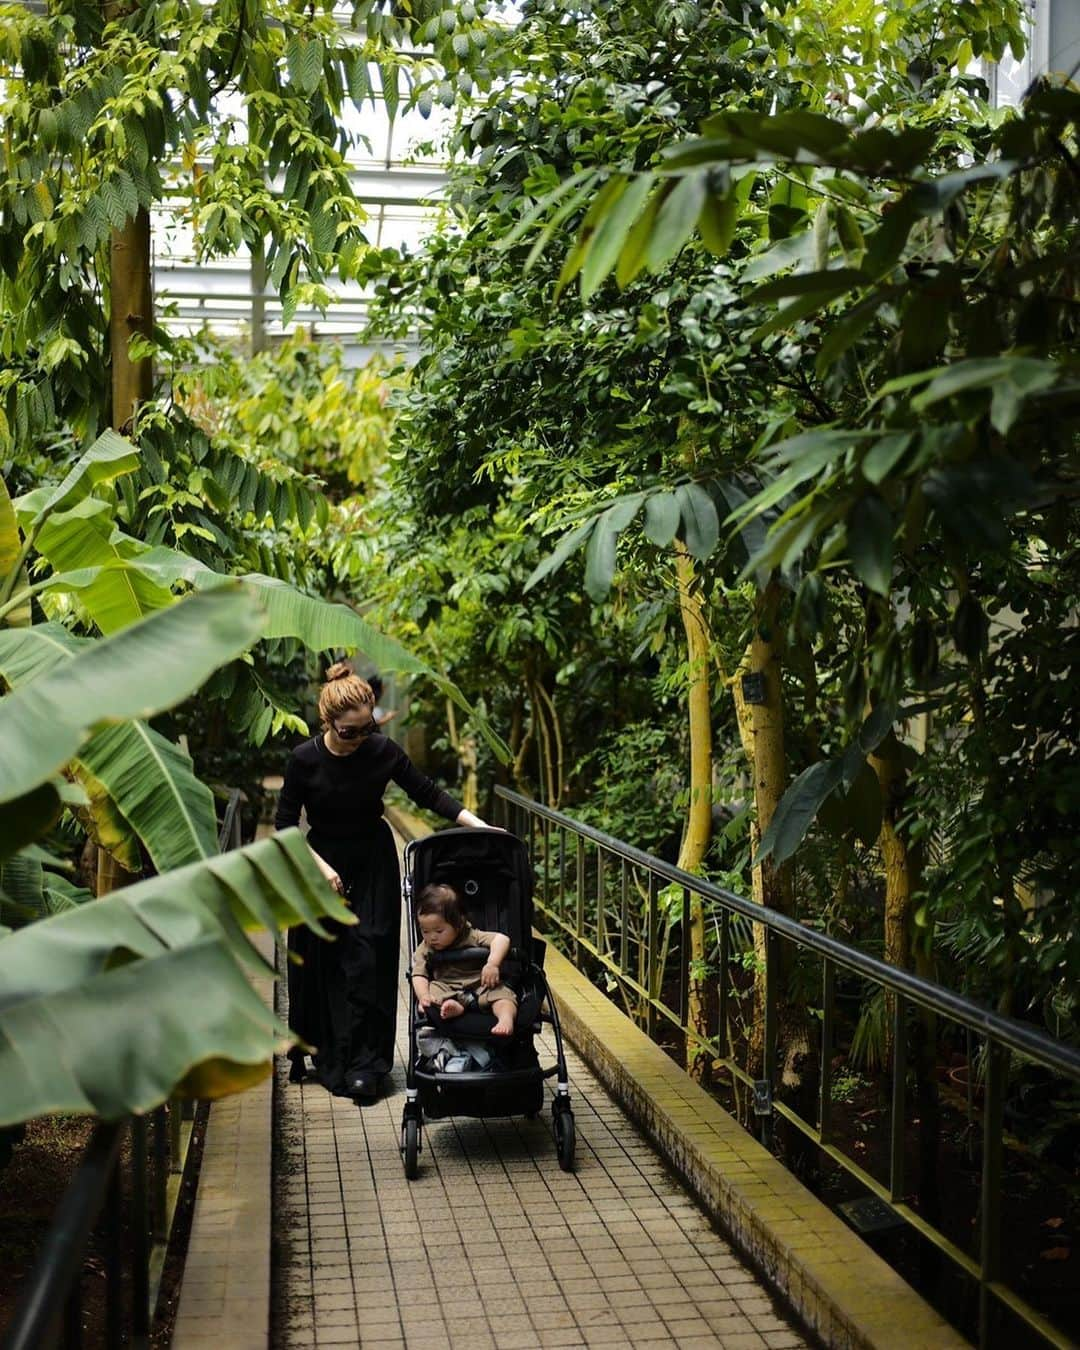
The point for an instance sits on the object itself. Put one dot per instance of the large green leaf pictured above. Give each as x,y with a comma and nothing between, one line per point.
90,554
870,539
320,625
675,220
10,550
611,233
701,525
796,810
110,457
567,545
147,667
154,786
140,785
112,1007
806,796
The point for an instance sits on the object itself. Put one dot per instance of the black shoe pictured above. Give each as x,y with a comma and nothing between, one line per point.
297,1069
362,1086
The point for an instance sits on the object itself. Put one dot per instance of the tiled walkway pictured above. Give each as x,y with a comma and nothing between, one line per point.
527,1256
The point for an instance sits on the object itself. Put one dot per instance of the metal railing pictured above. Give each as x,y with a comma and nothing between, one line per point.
107,1188
618,921
141,1184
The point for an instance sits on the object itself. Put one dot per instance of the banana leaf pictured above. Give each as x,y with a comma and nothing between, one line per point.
151,783
113,1006
86,538
10,548
110,457
320,625
141,786
149,666
28,891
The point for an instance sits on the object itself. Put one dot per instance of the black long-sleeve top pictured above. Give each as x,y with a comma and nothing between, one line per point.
343,793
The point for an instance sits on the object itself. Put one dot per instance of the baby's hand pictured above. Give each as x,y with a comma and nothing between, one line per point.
489,976
423,1002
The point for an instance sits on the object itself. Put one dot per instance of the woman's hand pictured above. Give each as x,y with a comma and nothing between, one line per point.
329,873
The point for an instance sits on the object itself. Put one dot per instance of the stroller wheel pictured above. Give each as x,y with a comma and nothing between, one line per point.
410,1148
562,1127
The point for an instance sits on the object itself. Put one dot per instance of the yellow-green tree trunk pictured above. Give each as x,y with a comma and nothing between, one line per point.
131,313
698,832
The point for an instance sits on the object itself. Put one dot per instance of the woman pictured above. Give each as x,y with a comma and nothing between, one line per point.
343,998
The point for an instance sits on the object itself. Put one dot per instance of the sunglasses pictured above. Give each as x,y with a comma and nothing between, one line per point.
355,733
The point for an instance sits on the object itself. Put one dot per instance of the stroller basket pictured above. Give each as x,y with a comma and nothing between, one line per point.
490,871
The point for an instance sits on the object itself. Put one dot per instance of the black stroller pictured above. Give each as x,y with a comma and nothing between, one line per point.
490,870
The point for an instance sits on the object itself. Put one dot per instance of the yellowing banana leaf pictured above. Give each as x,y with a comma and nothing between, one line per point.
10,548
103,820
113,1006
151,783
140,785
144,668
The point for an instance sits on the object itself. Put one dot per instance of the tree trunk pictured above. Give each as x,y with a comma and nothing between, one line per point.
901,870
696,836
759,709
465,750
131,313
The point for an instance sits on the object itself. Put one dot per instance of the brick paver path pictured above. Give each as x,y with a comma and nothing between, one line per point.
493,1246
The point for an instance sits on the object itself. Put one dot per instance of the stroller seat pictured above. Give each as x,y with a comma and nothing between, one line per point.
478,1023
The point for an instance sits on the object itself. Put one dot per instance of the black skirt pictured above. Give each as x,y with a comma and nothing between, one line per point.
343,998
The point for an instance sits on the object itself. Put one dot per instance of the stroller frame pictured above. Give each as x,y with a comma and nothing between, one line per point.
491,869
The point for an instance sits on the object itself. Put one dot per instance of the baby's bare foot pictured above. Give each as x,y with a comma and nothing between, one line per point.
504,1026
451,1008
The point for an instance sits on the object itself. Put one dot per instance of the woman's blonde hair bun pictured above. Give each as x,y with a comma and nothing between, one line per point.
343,690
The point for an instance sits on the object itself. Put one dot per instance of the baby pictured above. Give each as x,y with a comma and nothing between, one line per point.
444,926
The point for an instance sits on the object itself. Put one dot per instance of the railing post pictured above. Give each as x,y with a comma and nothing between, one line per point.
548,888
601,923
652,983
899,1097
140,1237
997,1068
562,872
579,895
828,1018
624,916
772,967
684,962
722,1044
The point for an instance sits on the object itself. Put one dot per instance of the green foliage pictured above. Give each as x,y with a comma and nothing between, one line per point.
155,973
234,111
821,282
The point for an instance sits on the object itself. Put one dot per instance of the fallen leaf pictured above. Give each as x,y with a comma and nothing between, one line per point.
1055,1254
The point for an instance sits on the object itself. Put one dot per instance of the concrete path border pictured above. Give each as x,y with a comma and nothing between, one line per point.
225,1293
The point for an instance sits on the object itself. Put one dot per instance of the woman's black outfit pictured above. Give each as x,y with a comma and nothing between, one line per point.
343,998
